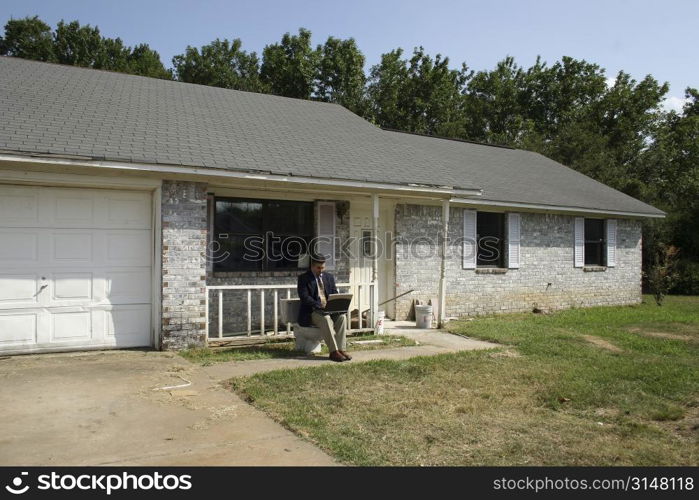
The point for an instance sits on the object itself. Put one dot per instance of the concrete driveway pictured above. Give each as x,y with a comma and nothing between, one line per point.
100,408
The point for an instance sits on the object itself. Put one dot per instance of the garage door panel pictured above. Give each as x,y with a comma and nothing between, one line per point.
19,206
72,286
125,324
71,325
73,209
128,248
18,288
72,247
128,211
18,246
128,286
18,328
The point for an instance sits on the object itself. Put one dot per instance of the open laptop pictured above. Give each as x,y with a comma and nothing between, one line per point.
338,303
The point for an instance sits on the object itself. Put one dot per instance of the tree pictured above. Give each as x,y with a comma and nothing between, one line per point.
80,45
289,67
220,64
28,38
145,61
77,45
340,76
421,95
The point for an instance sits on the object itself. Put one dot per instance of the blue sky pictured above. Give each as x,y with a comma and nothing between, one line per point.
640,37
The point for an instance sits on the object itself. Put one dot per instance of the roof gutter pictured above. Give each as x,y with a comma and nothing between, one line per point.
232,174
553,208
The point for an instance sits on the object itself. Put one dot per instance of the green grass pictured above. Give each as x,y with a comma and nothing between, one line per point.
275,349
597,386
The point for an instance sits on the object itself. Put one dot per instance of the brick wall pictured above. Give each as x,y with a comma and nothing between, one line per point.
546,257
184,233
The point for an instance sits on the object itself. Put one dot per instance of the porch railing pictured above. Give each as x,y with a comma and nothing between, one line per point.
287,291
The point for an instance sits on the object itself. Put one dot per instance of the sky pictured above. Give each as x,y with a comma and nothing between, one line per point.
639,37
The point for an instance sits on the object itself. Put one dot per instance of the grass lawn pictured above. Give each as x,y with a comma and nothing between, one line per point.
598,386
207,356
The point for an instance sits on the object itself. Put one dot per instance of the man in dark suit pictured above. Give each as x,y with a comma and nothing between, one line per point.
314,287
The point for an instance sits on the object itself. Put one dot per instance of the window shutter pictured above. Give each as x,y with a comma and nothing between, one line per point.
470,244
513,223
611,242
579,241
326,232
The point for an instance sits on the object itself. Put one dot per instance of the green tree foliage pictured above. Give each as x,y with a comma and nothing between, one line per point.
340,74
421,95
289,68
77,45
220,64
28,38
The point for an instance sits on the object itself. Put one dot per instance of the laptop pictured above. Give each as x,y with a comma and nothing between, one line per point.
338,303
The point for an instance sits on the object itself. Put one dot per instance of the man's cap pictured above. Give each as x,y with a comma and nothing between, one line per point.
317,257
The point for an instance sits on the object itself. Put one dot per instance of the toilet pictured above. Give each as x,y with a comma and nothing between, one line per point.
308,338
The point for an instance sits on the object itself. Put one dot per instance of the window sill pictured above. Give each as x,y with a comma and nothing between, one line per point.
491,270
594,269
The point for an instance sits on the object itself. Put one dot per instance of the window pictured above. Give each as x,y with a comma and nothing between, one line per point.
490,235
595,242
260,235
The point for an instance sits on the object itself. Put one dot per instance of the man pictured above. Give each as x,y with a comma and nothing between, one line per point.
314,286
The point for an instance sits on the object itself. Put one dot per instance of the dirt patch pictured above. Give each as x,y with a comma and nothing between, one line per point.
687,426
602,343
661,335
507,353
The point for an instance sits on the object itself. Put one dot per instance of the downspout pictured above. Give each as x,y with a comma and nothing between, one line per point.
441,315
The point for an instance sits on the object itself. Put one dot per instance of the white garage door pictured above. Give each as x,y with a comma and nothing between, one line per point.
75,268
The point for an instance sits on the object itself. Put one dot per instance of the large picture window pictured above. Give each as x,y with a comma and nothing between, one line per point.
595,242
490,235
260,235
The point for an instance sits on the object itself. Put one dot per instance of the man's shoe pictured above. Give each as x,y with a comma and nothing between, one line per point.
336,356
347,356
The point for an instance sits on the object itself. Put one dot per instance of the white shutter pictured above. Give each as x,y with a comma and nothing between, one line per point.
470,244
611,242
579,241
513,221
325,243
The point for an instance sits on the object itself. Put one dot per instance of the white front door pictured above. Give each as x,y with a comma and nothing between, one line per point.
75,268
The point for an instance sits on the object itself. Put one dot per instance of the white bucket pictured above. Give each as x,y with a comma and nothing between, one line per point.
378,327
423,316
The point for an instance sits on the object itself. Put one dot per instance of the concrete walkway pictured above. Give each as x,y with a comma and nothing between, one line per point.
132,407
430,342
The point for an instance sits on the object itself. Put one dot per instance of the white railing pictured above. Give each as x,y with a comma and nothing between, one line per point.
289,291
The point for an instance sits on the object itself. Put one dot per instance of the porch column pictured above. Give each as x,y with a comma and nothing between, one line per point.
441,314
375,256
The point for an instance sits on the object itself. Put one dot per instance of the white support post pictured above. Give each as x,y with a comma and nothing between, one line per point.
276,318
359,304
374,295
441,315
206,313
249,312
220,313
288,325
262,312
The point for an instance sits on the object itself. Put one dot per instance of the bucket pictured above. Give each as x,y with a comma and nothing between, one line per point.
378,327
423,316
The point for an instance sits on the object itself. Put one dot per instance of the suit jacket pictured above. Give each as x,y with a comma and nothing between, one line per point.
308,293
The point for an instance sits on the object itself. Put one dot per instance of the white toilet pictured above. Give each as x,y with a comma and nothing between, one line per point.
308,338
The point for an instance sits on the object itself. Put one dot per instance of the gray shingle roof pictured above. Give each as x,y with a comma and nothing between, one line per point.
54,109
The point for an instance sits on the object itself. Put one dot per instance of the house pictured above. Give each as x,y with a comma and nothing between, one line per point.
144,212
